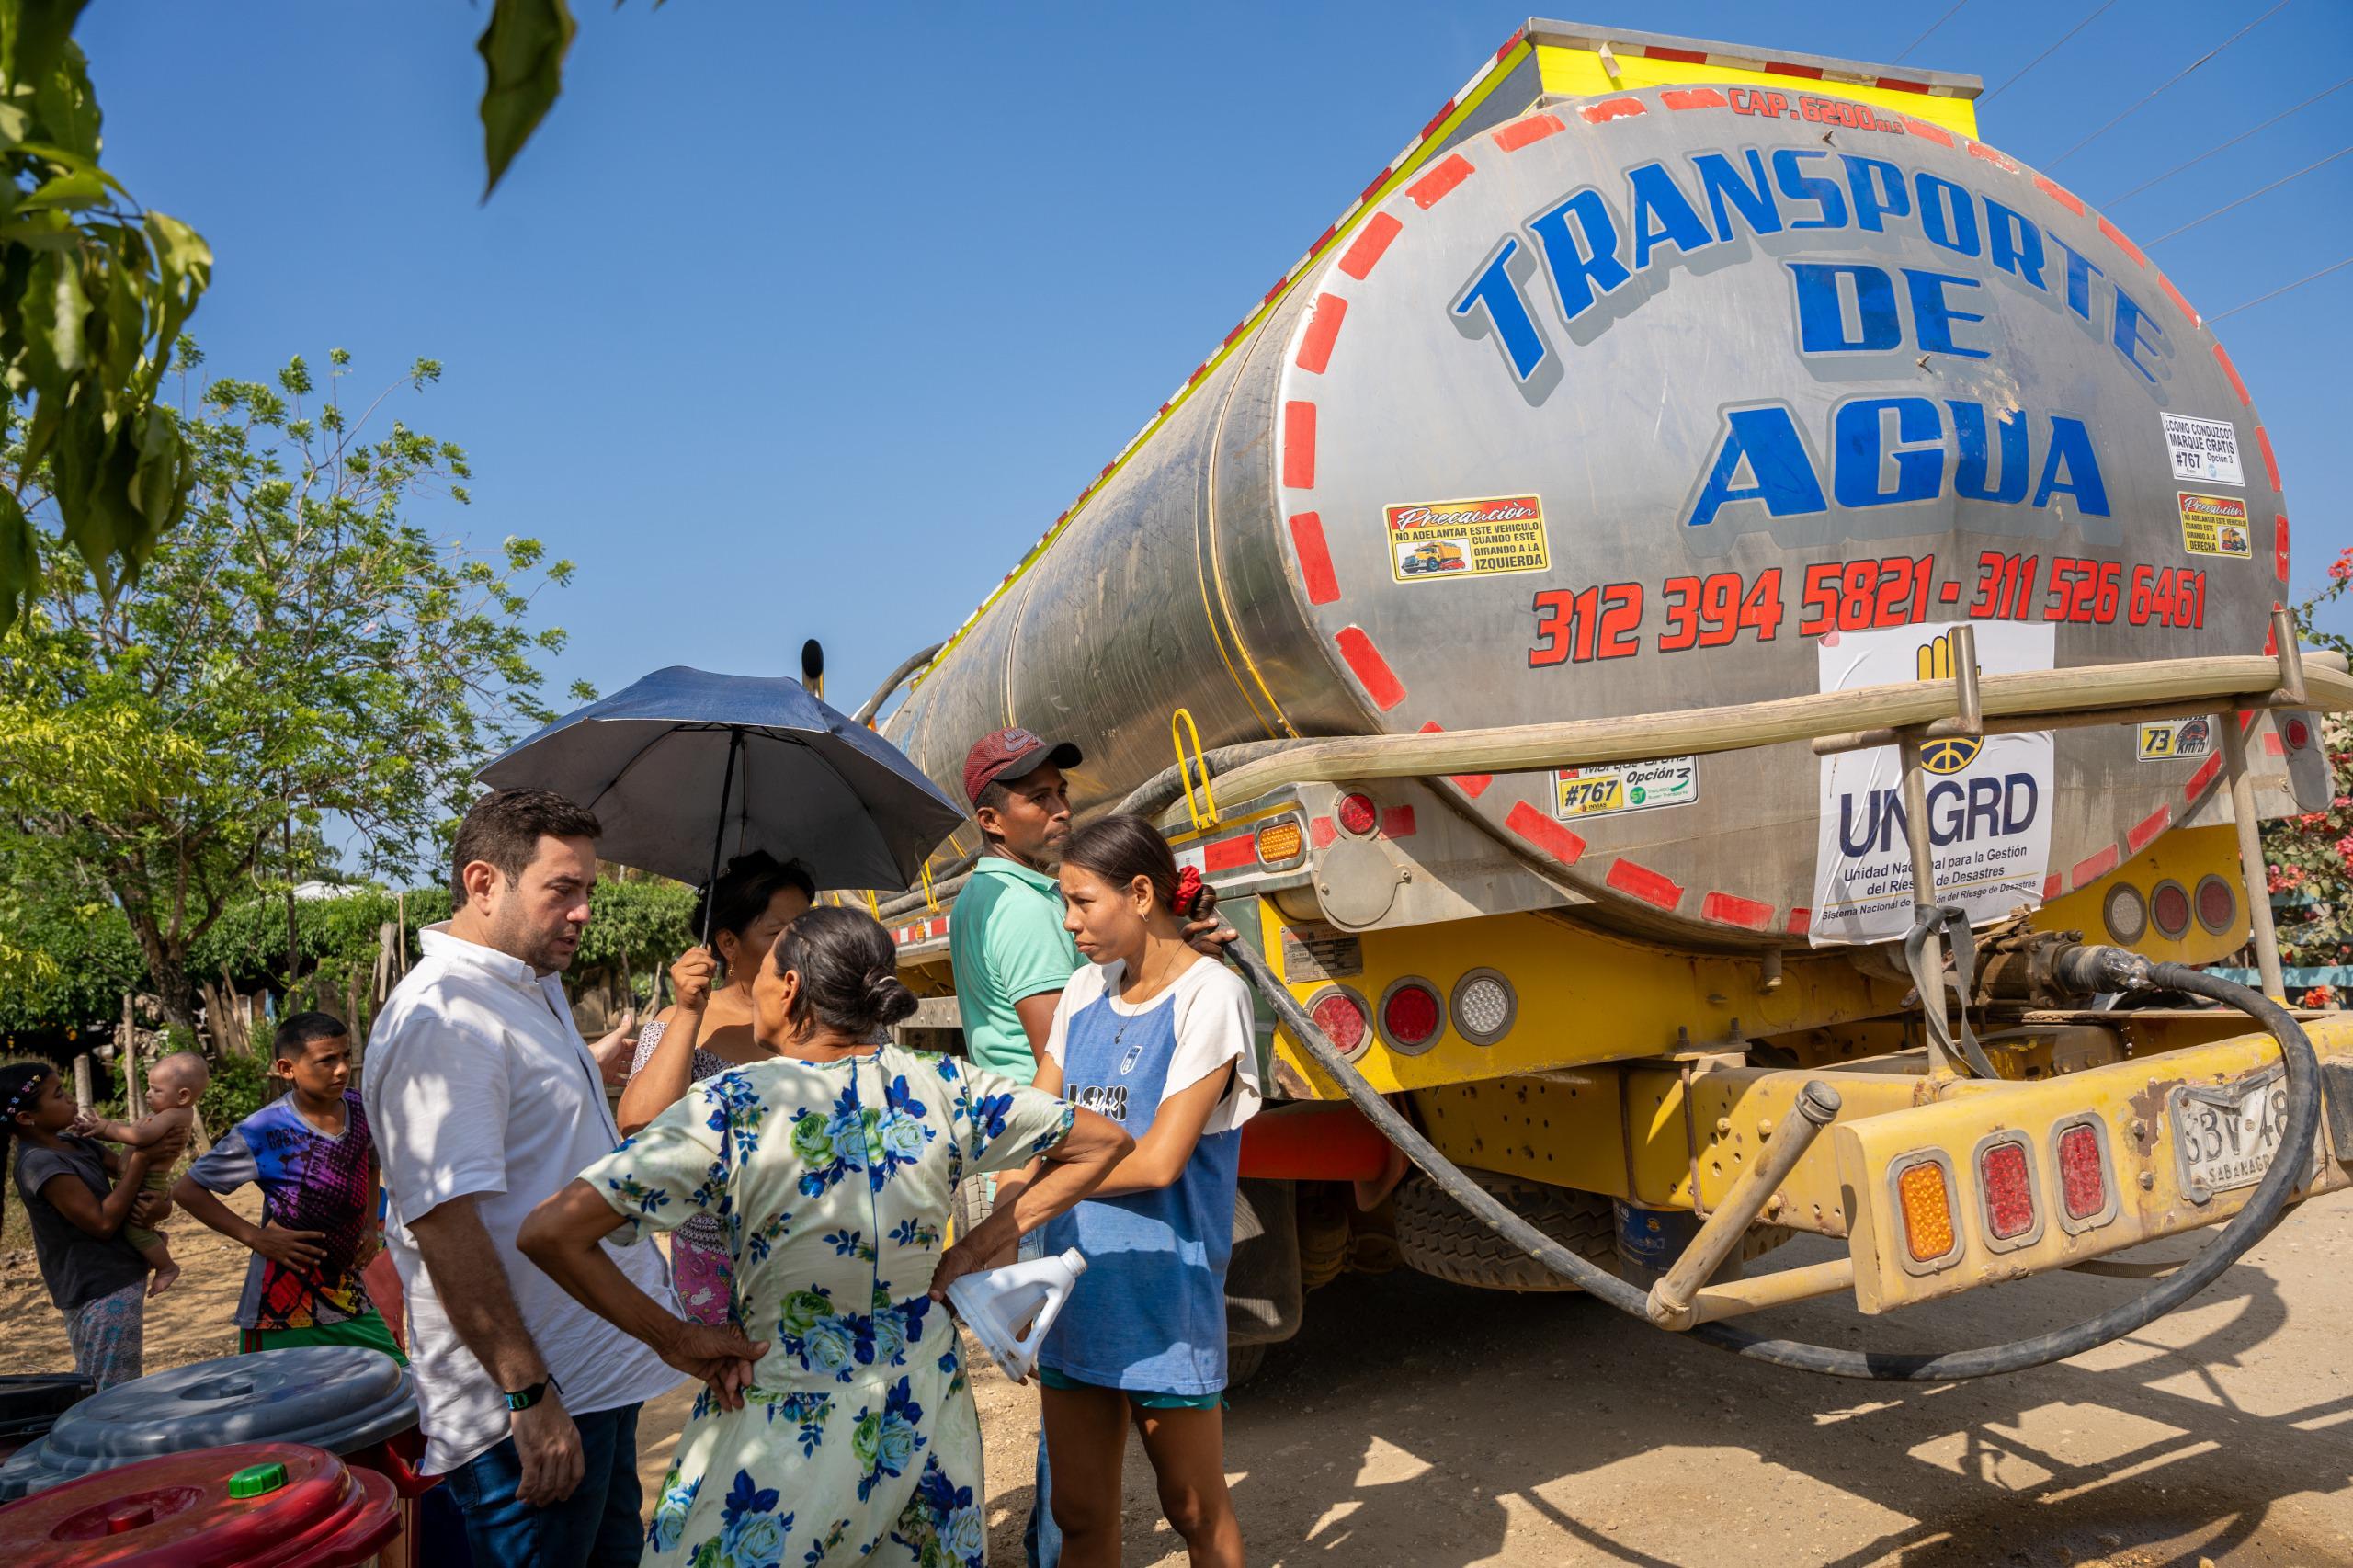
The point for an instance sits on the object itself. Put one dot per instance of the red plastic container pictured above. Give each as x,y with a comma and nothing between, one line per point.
181,1512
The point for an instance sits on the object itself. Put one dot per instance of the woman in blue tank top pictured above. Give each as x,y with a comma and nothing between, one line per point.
1158,1038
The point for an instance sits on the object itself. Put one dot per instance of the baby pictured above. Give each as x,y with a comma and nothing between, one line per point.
174,1085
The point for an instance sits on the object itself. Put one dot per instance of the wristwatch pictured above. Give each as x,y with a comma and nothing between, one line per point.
524,1398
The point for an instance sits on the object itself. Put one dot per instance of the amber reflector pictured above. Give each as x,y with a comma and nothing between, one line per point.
1927,1211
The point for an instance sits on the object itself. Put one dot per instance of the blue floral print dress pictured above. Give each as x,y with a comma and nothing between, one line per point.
858,1442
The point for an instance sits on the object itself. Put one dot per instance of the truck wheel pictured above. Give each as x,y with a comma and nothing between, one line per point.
1243,1362
1439,1237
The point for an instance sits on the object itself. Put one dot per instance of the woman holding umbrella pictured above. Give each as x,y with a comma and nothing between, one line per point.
708,1031
851,1437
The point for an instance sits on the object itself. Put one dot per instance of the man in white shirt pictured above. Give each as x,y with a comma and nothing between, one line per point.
484,1100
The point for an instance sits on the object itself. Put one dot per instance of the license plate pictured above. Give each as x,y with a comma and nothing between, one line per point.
2224,1137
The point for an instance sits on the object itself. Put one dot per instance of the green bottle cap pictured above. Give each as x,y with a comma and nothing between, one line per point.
256,1479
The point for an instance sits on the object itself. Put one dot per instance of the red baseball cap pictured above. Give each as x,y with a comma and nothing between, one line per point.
1012,753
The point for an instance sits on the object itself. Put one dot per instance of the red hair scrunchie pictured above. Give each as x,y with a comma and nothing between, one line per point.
1189,891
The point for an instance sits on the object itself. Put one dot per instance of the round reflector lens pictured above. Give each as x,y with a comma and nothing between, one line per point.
1483,1007
1411,1015
1341,1017
1356,814
2124,914
2217,906
2169,907
2299,735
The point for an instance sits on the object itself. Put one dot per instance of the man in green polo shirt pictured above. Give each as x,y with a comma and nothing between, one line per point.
1012,957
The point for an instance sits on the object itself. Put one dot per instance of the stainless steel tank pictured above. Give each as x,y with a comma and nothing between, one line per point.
1571,425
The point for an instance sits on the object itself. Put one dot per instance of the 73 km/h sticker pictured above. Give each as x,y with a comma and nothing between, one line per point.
1432,540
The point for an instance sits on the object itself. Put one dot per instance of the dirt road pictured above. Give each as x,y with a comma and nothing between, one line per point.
1418,1425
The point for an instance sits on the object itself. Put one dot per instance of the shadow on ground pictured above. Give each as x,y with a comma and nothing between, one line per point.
1415,1423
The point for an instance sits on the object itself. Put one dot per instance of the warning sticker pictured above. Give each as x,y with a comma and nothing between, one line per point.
2204,450
1625,787
2214,524
2174,738
1431,540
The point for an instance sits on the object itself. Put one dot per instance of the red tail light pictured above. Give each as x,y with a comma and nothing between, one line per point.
1356,815
1341,1018
2006,1179
2169,907
2217,906
2085,1192
1411,1015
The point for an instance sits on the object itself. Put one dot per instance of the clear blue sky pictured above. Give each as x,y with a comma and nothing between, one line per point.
804,321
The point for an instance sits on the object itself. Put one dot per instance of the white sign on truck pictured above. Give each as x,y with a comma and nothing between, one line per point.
1989,798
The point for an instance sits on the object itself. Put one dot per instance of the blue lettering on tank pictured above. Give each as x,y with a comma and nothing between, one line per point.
1496,292
1859,443
1933,316
1821,308
1970,472
1763,442
2129,338
2015,243
1947,214
1584,261
2071,468
1663,214
1754,196
1877,186
1767,441
2080,273
1800,187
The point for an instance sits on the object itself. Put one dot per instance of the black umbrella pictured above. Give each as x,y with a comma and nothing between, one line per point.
686,770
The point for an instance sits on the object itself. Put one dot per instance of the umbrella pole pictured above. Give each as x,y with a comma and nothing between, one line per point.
718,840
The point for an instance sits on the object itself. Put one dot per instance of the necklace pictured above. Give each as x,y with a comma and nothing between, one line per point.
1120,1032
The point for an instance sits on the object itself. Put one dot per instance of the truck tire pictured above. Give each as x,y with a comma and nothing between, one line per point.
1243,1362
1438,1236
1263,1290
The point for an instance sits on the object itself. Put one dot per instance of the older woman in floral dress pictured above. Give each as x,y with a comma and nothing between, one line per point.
845,1433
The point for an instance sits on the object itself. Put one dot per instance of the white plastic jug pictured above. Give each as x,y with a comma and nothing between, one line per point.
1009,1309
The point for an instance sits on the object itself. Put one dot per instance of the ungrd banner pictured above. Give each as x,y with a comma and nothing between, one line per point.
1989,799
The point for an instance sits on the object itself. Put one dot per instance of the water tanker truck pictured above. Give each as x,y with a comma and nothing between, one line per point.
1696,497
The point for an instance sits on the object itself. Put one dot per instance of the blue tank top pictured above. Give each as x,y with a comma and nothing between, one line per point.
1149,1314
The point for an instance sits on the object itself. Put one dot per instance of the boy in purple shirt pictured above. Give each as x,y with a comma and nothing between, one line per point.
309,1153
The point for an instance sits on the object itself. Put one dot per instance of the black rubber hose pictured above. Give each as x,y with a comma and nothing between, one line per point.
2088,969
1158,793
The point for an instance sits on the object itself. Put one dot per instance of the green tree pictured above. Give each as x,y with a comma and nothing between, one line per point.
296,658
2311,855
94,292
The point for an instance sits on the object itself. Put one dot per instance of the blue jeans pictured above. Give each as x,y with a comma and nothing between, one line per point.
596,1526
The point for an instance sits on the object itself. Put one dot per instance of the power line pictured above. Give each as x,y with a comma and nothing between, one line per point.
2232,143
2047,54
2167,83
1940,21
2298,283
2250,196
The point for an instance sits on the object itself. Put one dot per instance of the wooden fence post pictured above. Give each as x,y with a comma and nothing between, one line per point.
82,1096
